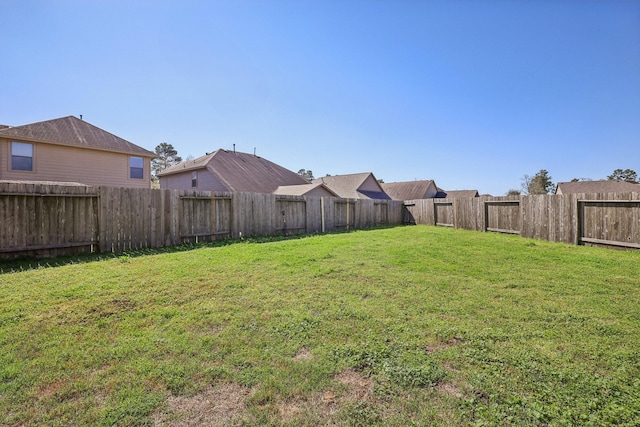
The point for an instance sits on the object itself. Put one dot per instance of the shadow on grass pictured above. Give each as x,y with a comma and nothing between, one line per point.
25,264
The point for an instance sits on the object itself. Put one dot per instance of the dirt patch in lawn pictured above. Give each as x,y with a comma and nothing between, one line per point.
322,408
359,387
218,406
439,346
303,354
449,389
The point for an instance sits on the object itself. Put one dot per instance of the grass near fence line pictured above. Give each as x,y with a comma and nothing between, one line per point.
400,326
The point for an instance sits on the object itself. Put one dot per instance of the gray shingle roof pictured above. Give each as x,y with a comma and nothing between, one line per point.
452,194
409,190
605,186
188,165
349,186
240,172
72,131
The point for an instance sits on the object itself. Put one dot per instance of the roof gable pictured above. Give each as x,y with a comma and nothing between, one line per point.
72,131
354,186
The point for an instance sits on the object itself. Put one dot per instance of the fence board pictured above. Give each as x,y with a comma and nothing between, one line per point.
381,213
45,220
502,216
291,215
329,213
50,220
314,211
344,214
562,218
443,212
609,219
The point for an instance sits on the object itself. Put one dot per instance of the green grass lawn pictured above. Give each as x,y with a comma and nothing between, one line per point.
399,326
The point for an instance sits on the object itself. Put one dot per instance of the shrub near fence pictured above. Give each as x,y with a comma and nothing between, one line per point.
610,219
44,220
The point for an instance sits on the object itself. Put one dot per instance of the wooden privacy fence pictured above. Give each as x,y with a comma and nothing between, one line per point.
611,219
44,220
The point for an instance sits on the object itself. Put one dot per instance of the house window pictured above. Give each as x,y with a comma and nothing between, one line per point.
194,179
136,167
21,156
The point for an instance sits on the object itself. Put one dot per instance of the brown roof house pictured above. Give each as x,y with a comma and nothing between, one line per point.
354,186
69,149
232,171
608,186
411,190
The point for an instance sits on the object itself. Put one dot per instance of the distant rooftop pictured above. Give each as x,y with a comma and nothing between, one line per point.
354,186
410,190
240,172
604,186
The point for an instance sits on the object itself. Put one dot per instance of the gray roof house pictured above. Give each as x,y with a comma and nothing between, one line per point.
232,171
604,186
354,186
411,190
69,149
452,194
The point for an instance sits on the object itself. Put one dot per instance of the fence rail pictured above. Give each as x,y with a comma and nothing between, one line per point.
41,220
600,219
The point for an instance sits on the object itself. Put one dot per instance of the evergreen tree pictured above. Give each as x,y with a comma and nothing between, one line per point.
624,175
167,156
306,174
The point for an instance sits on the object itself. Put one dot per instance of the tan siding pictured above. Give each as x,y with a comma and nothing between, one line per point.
432,191
179,181
210,182
73,164
319,192
370,184
5,163
182,181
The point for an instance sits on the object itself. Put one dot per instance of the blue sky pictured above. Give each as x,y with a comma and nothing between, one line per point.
472,94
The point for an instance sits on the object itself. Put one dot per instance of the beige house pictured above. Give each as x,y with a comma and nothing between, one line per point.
69,149
233,171
354,186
